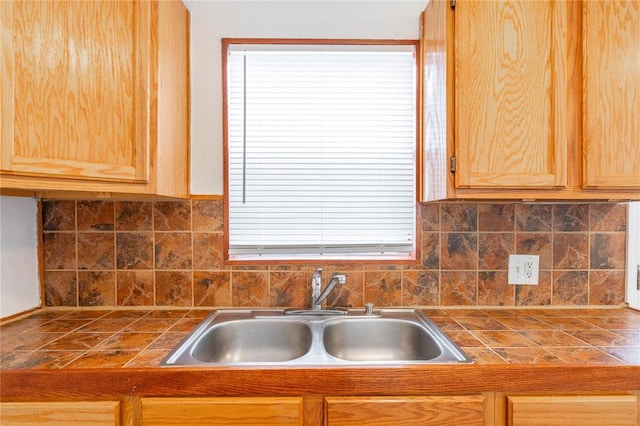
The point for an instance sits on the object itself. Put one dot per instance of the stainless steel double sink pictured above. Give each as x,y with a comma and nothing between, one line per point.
271,337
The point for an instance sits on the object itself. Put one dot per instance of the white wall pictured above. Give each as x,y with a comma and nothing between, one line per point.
19,283
213,20
210,22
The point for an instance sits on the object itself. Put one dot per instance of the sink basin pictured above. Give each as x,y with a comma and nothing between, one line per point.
271,337
253,340
379,339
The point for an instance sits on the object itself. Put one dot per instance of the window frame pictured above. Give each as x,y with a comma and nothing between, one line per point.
413,257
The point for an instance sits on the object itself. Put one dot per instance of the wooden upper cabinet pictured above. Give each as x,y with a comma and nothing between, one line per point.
531,100
77,105
82,90
510,104
611,94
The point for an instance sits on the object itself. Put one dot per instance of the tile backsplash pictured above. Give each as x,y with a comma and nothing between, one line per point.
130,253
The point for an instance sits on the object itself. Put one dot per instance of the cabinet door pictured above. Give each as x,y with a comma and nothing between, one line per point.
81,413
74,89
611,74
399,411
222,411
606,410
511,94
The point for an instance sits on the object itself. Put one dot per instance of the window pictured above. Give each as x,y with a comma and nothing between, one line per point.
320,145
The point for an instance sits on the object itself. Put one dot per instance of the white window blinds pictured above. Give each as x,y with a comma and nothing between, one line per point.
321,151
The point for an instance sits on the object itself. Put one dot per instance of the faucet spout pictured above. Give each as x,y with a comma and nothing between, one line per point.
337,279
317,294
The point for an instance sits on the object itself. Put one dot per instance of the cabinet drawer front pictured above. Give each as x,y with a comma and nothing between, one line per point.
222,411
605,410
396,411
81,413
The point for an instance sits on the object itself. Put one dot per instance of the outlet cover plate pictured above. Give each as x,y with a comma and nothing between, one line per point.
523,269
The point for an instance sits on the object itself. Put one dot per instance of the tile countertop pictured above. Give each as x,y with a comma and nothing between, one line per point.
57,339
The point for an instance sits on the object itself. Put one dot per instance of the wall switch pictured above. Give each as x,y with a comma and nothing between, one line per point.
523,268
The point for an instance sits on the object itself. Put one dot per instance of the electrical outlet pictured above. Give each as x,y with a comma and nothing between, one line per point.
523,269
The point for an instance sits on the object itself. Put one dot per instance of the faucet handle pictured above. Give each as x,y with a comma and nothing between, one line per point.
342,278
368,308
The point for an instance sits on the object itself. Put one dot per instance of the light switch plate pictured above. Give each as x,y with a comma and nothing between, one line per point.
523,269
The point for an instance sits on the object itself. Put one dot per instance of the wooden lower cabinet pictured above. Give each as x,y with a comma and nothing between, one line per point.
81,413
258,411
465,410
482,409
573,410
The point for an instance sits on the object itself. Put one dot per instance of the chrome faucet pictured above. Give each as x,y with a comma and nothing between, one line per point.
317,294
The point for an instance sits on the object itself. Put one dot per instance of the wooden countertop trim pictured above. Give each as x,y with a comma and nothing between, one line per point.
19,385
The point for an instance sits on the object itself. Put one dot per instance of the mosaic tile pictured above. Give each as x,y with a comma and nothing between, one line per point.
60,288
173,250
459,251
289,289
96,288
383,288
458,288
527,356
460,217
172,216
174,288
420,288
208,251
570,217
59,250
250,288
533,217
571,288
102,359
96,250
494,250
211,288
58,215
348,295
538,244
135,288
493,289
496,217
605,217
570,251
208,215
134,216
134,250
96,215
608,251
606,287
531,295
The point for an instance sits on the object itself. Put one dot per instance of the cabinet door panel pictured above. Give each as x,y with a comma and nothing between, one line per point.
611,31
222,411
81,413
397,411
75,94
511,90
608,410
